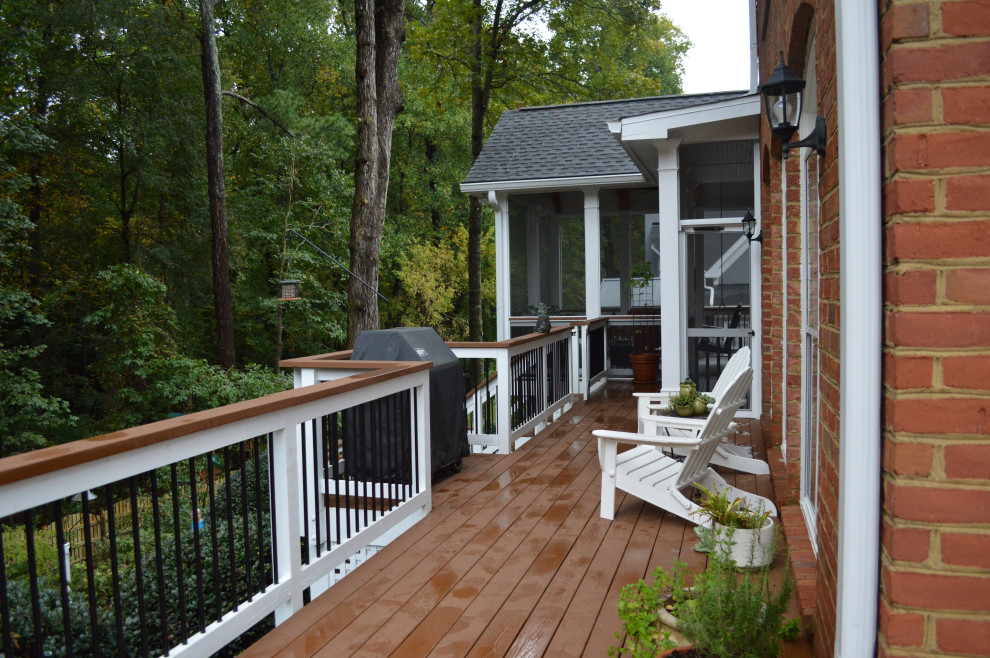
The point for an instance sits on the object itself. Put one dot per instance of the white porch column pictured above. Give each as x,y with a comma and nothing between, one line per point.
672,333
592,255
500,202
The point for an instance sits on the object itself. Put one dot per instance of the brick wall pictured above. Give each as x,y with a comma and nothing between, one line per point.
935,563
784,25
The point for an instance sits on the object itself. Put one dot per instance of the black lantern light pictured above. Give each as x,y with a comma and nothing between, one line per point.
783,95
749,228
288,290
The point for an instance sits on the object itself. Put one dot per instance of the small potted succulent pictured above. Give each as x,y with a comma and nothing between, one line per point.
689,388
682,405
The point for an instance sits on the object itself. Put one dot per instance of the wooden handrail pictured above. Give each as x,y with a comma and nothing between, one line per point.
49,460
512,342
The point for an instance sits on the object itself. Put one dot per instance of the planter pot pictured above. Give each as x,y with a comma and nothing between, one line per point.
644,367
750,548
667,617
700,407
685,411
689,389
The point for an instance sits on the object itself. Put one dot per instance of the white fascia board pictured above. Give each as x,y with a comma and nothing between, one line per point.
552,183
658,124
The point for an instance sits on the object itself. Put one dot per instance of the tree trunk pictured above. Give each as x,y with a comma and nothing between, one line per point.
479,107
217,193
380,33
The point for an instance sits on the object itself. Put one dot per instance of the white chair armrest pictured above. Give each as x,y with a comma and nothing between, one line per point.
645,439
674,422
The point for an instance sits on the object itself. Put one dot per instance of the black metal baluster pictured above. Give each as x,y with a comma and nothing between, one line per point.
33,576
272,506
94,627
259,518
63,577
245,516
415,435
159,568
232,552
325,454
117,606
179,558
305,494
214,541
197,546
362,412
316,488
395,453
335,469
138,567
5,621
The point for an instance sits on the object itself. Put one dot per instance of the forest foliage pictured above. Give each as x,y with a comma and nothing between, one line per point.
106,316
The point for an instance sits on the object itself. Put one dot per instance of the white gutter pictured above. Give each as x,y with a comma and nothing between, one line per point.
860,277
552,183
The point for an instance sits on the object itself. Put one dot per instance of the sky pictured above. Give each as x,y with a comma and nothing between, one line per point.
719,32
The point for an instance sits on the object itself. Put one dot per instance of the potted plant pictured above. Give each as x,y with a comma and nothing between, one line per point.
689,388
639,609
733,613
644,357
682,405
748,533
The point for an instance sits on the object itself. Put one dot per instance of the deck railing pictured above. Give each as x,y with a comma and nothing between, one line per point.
515,386
215,522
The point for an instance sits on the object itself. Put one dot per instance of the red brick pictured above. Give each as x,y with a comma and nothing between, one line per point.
903,372
906,544
902,630
968,636
907,106
967,193
909,195
907,458
966,550
907,21
957,61
966,105
938,505
966,19
937,591
970,372
923,151
934,329
937,416
965,239
910,288
969,461
968,286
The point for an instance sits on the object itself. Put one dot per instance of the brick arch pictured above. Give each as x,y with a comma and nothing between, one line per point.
797,48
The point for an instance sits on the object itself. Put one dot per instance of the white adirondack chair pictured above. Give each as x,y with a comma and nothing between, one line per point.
659,479
726,454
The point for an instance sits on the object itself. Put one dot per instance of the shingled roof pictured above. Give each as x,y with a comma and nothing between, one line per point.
567,141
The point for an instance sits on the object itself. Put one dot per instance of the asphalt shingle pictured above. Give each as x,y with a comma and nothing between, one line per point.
565,141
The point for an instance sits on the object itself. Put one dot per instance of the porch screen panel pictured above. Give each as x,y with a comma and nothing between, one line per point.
546,252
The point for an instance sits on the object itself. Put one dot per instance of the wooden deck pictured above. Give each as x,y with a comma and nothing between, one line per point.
514,560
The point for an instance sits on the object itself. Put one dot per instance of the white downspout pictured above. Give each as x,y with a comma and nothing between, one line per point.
754,64
860,279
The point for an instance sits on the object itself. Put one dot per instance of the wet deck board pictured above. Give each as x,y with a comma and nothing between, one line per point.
513,560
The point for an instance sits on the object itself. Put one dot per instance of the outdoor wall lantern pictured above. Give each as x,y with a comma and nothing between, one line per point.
783,94
749,228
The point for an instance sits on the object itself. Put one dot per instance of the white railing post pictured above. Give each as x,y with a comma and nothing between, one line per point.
422,430
503,384
286,529
578,338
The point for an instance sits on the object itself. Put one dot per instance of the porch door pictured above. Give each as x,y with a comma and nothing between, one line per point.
718,262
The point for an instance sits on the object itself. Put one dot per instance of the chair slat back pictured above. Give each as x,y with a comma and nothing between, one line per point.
737,362
715,428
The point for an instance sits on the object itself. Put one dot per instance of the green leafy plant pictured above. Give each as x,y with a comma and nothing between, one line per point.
680,401
735,614
639,606
688,381
790,629
717,507
707,398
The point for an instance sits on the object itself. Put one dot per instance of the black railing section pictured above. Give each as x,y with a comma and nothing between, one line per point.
558,370
707,358
527,388
596,351
480,403
636,336
140,565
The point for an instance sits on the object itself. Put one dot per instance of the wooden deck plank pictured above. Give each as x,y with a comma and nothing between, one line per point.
513,560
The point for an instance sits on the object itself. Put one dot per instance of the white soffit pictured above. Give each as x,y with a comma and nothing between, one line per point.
649,127
550,184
